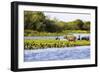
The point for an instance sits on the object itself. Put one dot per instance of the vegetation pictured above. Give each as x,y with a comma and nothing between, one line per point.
36,33
38,24
42,44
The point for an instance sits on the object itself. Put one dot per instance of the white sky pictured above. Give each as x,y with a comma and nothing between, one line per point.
68,16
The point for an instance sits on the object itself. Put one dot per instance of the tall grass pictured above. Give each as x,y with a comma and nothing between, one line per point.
36,33
41,44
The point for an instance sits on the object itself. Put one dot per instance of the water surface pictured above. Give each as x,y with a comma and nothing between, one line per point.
67,53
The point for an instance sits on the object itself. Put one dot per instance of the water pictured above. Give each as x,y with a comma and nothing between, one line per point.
43,37
54,37
67,53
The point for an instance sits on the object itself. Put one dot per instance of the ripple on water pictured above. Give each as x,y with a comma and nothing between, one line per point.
67,53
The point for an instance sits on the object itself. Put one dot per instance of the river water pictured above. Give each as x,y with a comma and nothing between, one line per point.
48,54
54,37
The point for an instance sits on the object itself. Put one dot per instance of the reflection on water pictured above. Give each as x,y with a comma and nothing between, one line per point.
53,37
67,53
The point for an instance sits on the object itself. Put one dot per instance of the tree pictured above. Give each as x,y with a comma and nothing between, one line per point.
34,20
28,19
60,25
79,24
37,21
72,25
86,25
50,25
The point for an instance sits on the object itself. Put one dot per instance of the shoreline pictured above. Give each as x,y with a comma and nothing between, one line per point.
53,49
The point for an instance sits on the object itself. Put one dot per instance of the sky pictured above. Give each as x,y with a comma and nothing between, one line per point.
68,16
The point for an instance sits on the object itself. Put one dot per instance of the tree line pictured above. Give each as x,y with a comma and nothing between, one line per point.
38,21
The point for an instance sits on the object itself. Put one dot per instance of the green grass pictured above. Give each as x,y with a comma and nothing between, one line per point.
41,44
36,33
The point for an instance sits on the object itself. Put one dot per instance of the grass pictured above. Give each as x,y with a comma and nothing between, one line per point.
36,33
41,44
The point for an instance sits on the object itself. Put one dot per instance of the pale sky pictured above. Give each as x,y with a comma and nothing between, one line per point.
68,16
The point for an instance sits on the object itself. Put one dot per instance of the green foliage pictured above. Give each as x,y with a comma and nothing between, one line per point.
86,25
74,25
65,32
79,24
42,44
34,20
38,21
